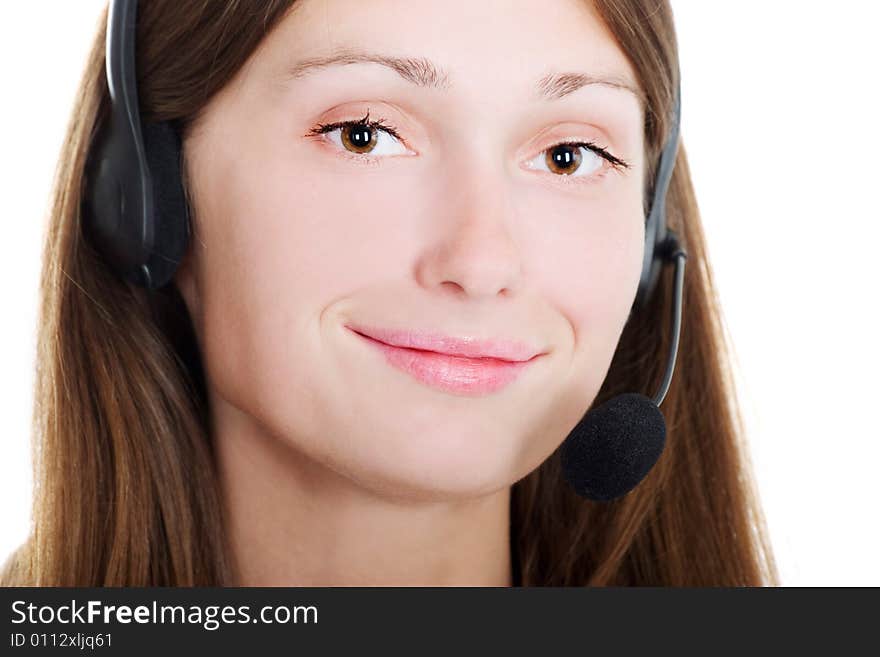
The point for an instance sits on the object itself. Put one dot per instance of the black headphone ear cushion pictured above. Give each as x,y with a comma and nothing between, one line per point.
171,215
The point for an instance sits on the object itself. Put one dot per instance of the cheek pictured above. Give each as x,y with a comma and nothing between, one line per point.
279,249
592,253
321,235
293,243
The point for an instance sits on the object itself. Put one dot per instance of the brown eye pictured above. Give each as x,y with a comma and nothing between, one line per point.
563,159
359,138
365,138
580,161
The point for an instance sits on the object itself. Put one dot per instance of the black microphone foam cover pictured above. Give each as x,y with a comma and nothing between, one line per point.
614,447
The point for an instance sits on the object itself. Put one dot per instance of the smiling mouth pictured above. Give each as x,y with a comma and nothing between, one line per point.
465,375
465,346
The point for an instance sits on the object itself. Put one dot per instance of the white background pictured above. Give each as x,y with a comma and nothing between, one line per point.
780,119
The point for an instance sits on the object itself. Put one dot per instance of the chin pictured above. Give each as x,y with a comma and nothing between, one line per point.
438,475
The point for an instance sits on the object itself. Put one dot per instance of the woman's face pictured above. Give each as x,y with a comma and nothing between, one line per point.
469,223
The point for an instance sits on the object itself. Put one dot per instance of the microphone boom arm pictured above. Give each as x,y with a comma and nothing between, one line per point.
673,251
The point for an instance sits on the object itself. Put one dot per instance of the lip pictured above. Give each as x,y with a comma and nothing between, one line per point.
469,346
419,355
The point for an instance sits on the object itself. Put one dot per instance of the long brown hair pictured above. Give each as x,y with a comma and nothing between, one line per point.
125,488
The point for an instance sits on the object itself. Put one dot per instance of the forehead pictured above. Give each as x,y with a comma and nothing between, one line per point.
524,49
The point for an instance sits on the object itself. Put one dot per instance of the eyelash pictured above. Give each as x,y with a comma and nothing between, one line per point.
380,124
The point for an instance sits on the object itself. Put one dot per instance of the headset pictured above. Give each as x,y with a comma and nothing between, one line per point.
134,207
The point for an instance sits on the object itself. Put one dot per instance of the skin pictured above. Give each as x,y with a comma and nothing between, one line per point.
336,468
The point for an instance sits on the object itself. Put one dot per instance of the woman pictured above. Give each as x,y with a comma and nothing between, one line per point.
358,174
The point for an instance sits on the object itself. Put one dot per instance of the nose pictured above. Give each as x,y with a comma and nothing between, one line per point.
473,251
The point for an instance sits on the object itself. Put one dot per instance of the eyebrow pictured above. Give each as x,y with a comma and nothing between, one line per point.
423,73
